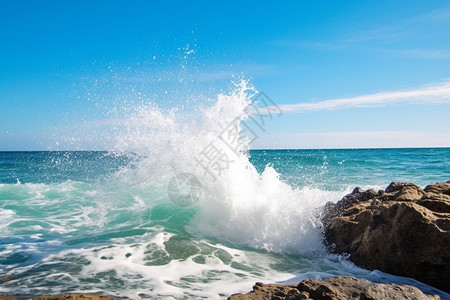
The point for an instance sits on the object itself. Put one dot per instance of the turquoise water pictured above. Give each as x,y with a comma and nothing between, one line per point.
339,169
331,169
103,222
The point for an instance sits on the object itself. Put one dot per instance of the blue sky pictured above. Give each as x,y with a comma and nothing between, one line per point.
347,74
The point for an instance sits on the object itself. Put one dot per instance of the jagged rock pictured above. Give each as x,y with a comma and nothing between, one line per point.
404,230
334,288
267,291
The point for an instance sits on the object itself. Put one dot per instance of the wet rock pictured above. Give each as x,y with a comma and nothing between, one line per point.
398,186
7,297
266,291
404,231
334,288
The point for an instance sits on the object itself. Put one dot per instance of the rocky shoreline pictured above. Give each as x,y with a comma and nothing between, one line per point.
333,288
403,230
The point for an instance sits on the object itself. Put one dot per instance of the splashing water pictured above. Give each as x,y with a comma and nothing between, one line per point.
120,234
242,206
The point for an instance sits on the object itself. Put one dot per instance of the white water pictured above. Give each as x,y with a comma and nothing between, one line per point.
123,236
240,206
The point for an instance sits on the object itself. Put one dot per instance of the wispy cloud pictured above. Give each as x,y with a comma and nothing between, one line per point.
441,15
418,53
380,34
354,139
402,28
327,46
432,94
393,39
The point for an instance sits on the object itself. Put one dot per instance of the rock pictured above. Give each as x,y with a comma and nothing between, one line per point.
7,297
334,209
334,288
398,186
403,231
266,291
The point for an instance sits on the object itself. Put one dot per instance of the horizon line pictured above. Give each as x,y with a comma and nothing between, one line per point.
256,149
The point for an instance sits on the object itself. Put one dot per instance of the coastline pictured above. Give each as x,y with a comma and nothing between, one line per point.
402,230
370,215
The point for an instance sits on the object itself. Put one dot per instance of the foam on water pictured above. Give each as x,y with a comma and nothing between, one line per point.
6,217
121,235
241,206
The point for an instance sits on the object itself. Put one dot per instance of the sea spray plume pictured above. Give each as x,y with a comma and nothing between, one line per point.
167,140
240,205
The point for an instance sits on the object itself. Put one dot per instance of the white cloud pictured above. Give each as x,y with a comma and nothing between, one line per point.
434,94
441,15
385,33
418,53
354,139
327,46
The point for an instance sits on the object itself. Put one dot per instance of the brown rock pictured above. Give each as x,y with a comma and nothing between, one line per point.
266,291
7,297
404,231
398,186
409,193
439,188
334,288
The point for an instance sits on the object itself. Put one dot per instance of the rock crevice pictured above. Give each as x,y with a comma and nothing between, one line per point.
334,288
402,230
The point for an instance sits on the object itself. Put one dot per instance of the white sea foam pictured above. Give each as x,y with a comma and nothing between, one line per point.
210,273
239,205
123,236
6,217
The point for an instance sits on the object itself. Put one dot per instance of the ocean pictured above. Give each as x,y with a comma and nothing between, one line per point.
69,222
181,209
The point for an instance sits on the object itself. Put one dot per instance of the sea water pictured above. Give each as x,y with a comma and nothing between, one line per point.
107,221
